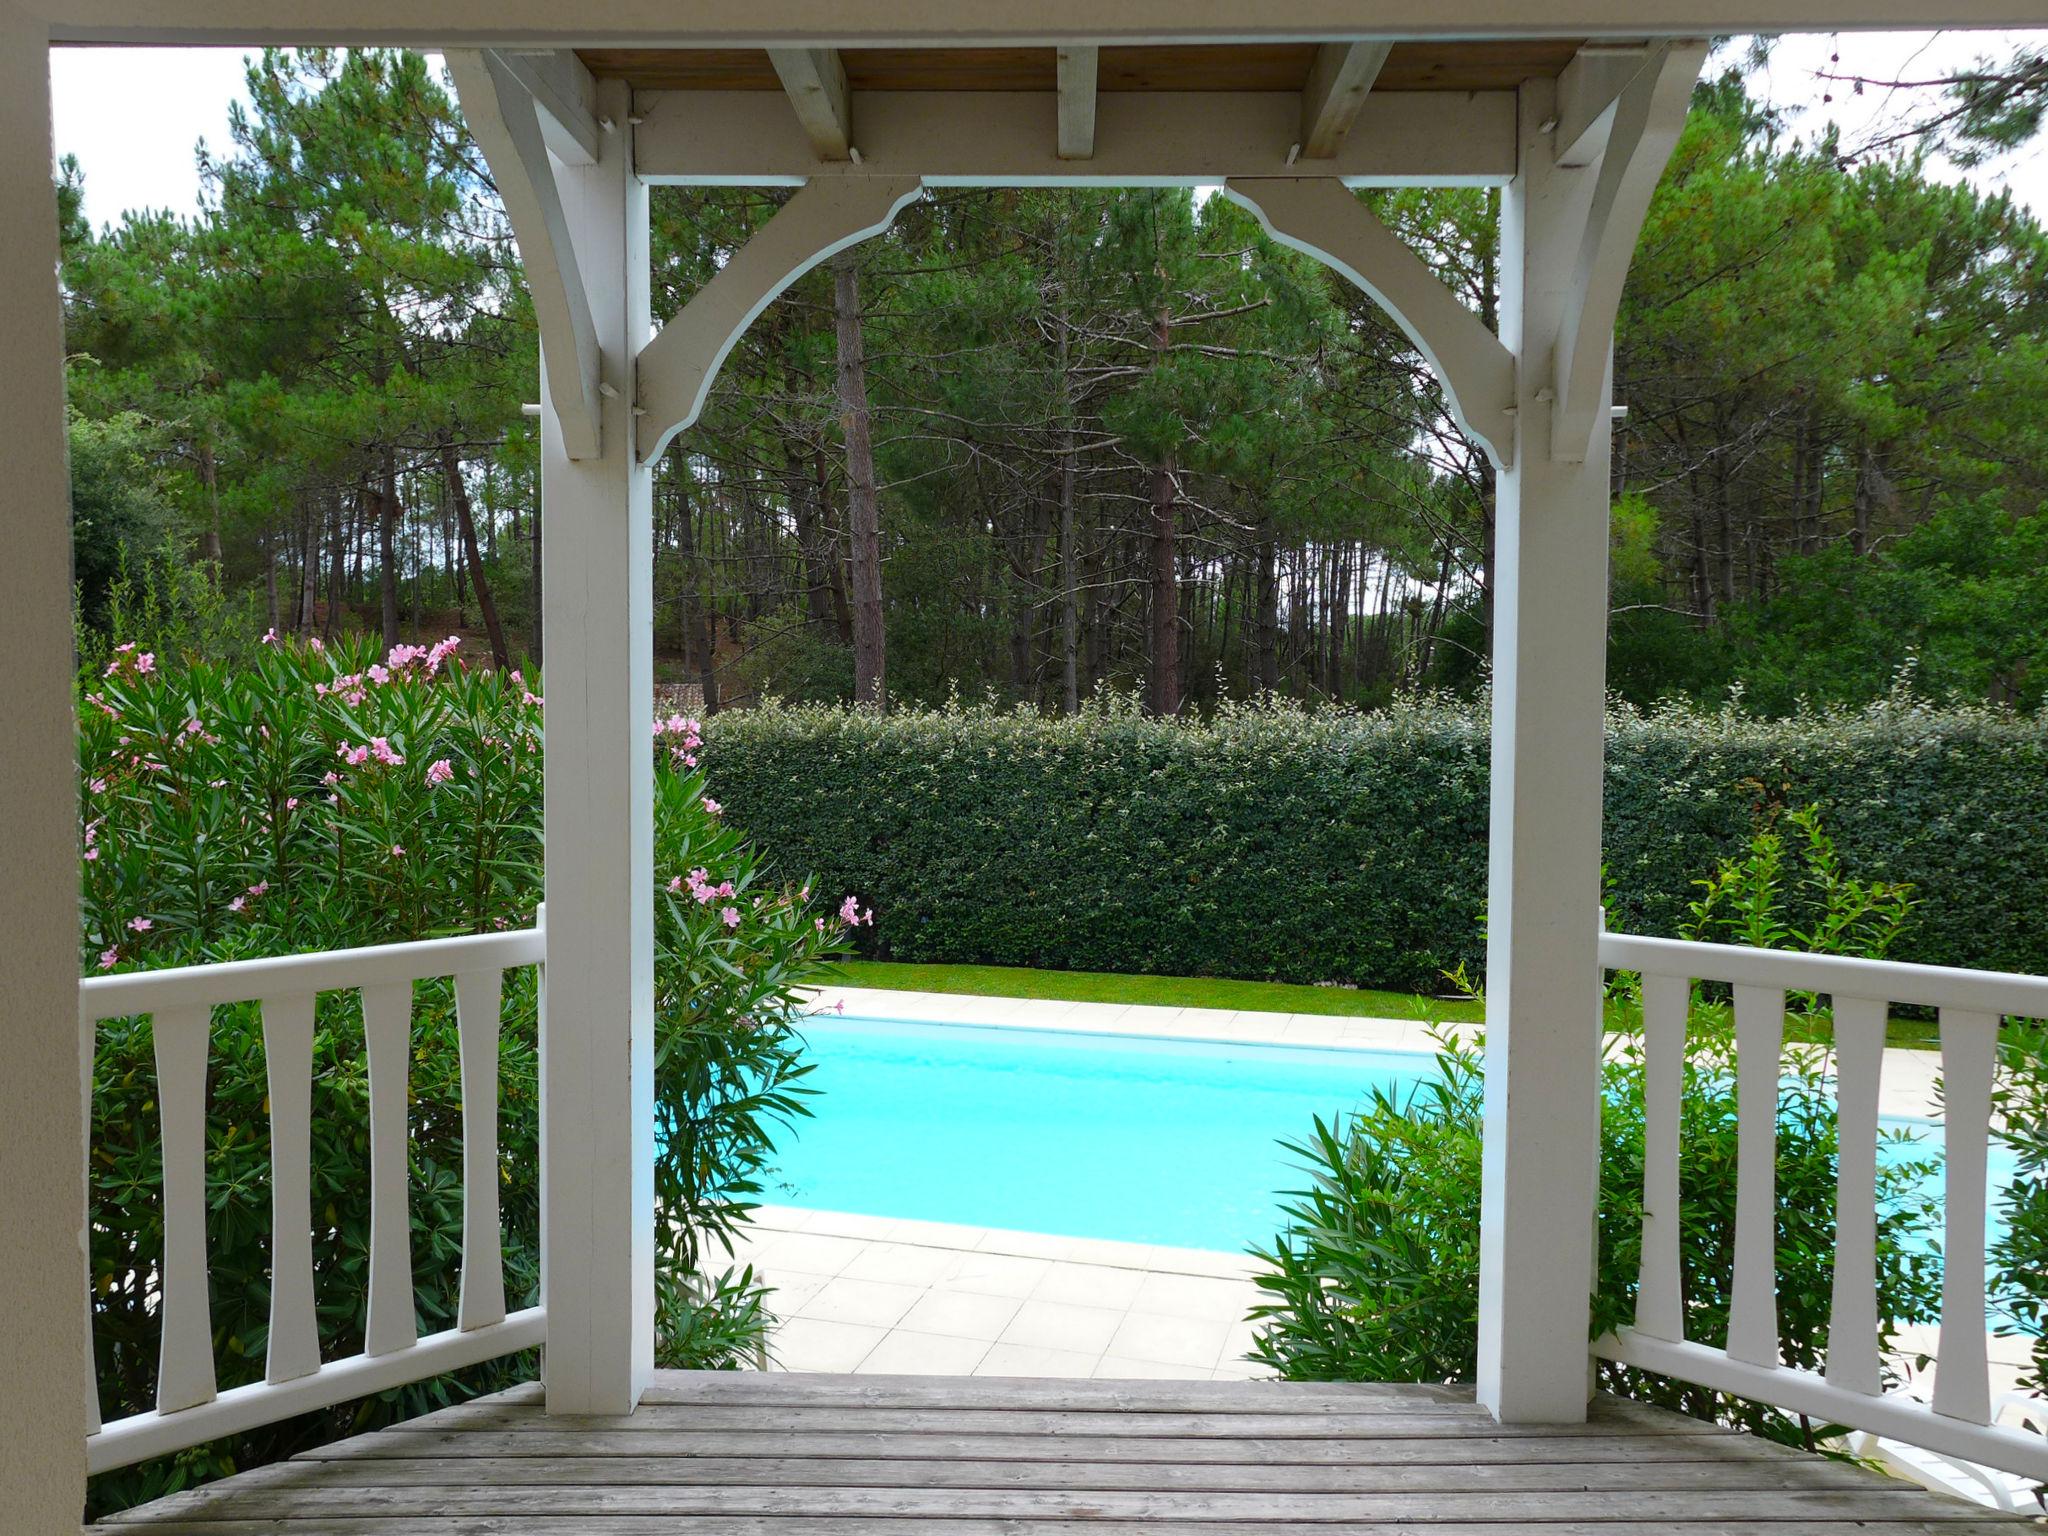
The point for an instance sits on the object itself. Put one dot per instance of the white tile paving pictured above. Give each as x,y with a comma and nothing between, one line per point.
928,1298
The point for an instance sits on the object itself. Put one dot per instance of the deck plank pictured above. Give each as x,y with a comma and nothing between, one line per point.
786,1455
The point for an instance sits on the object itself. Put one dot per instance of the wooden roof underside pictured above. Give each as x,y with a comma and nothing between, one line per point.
1420,66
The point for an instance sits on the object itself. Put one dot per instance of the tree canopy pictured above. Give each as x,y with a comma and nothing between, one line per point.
1035,443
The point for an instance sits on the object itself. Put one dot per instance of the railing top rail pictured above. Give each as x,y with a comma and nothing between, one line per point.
1891,981
334,970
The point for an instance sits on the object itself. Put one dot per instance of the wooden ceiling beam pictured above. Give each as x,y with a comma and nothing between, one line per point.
815,80
1077,68
1338,83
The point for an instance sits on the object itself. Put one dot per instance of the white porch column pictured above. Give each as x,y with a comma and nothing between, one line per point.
43,1366
597,1053
1543,982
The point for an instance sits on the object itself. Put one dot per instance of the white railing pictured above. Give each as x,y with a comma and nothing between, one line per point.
1958,1421
189,1408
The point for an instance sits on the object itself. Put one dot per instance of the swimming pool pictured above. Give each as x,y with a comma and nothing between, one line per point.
1140,1139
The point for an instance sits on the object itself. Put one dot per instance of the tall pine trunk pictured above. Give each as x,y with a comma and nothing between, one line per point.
388,514
465,517
1165,626
863,518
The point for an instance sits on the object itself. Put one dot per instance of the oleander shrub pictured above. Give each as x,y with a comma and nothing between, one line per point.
317,799
1375,1276
1271,842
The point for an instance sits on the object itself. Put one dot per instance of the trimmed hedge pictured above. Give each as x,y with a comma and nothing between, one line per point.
1334,846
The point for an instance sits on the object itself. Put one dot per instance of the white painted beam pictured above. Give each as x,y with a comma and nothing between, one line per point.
1324,218
1587,93
561,87
1647,121
815,81
1541,1142
676,368
506,124
45,1361
1046,23
597,1025
1142,138
1338,83
1077,69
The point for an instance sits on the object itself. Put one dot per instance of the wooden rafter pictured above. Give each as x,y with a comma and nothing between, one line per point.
506,123
815,81
1077,102
1338,83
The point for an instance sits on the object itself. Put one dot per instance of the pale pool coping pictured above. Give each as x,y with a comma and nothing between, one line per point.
1905,1088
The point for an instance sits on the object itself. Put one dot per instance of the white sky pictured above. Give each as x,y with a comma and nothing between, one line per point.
132,116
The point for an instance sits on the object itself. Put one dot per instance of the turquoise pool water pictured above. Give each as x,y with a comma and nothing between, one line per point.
1137,1139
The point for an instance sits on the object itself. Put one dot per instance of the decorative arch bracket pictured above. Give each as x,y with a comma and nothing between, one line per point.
1323,218
1647,118
512,127
677,367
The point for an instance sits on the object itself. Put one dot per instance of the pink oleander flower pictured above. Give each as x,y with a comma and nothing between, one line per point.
330,777
125,648
146,662
291,802
140,925
730,917
92,855
820,922
238,903
109,957
314,642
269,637
712,807
379,673
675,884
259,887
440,771
193,727
397,851
380,748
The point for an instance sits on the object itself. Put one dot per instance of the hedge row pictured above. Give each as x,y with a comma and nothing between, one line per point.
1335,846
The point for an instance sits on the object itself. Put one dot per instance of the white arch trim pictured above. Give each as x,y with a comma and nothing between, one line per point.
826,215
1324,218
1648,116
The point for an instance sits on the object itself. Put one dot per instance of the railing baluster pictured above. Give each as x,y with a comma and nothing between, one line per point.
288,1066
479,998
185,1369
1759,1043
1852,1317
1660,1310
86,1057
393,1321
1969,1052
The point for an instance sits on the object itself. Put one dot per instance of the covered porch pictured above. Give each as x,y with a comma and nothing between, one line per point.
1289,108
883,1455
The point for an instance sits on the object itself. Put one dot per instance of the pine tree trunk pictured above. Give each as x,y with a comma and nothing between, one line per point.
862,513
1267,677
388,515
458,491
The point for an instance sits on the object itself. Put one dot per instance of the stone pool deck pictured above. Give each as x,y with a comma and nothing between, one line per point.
878,1295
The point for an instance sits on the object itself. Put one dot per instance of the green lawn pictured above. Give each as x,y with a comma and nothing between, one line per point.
1163,991
1263,996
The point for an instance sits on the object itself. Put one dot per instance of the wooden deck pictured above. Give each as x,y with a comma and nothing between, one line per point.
791,1455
